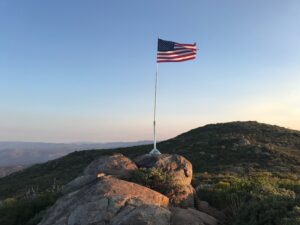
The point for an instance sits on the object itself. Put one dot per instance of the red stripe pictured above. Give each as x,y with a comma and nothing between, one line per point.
177,56
176,52
160,61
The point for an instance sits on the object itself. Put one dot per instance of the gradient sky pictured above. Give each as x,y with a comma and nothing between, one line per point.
84,70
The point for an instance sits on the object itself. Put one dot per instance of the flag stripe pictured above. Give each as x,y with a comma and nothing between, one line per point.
173,53
185,44
174,56
181,48
176,51
180,60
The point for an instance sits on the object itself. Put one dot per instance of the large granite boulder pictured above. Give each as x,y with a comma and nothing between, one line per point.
181,170
185,198
177,165
109,201
204,206
117,165
143,215
191,217
78,183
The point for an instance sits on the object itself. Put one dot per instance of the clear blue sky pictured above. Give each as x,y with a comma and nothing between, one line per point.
84,70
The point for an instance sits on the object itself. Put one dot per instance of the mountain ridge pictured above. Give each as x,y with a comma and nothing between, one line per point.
229,146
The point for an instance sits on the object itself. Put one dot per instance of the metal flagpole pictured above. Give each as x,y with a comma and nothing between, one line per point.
155,151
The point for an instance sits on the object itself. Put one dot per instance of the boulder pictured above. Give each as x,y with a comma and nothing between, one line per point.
204,206
116,165
111,187
144,215
185,198
207,219
191,217
107,200
179,166
78,183
243,141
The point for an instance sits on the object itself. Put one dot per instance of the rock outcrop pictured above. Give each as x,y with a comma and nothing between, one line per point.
104,201
191,217
185,198
181,170
109,200
144,215
78,183
179,166
116,165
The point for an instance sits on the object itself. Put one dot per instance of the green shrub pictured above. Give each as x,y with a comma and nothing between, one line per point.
270,211
21,211
292,218
258,199
158,180
223,184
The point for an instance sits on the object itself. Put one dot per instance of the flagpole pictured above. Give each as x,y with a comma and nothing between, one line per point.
155,151
154,118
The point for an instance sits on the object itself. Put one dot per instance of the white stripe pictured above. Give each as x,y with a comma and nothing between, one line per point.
186,47
177,59
177,51
177,44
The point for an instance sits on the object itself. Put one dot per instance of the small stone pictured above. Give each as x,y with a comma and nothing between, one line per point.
99,175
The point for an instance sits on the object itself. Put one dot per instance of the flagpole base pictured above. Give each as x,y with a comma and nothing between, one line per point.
154,152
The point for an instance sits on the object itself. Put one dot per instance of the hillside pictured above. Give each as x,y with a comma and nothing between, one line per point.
234,147
6,170
248,170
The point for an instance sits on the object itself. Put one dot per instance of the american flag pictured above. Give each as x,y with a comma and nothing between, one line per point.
169,51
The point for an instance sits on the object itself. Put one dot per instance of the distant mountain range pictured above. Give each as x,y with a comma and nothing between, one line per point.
17,155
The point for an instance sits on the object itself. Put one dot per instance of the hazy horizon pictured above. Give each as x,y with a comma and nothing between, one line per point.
73,71
129,141
76,142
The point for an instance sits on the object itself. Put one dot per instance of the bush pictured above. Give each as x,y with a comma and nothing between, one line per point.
270,211
259,199
223,184
293,217
157,180
21,211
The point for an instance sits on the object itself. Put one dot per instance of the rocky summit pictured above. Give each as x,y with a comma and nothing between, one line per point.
108,193
243,173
